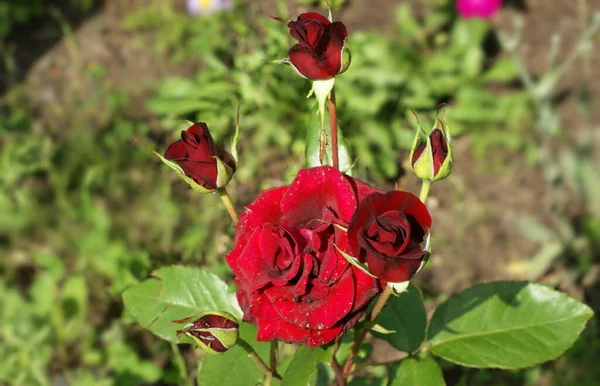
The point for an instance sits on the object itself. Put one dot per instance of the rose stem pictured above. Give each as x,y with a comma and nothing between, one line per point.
228,204
273,358
333,129
381,302
424,191
340,378
258,360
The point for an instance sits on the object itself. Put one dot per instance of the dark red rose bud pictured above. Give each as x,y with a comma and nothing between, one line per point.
214,331
201,159
431,159
320,52
387,232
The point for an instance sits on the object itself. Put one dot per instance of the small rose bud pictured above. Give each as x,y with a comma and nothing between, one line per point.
321,52
203,164
214,331
431,159
483,9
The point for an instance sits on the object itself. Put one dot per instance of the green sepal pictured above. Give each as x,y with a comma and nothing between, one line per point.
322,89
353,261
234,142
398,287
346,58
224,173
228,337
181,174
382,330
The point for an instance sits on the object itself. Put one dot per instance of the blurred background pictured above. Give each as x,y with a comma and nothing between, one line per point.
86,211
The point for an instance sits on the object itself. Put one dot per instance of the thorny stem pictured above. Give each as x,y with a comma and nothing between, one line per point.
381,302
333,129
340,378
228,205
273,357
259,362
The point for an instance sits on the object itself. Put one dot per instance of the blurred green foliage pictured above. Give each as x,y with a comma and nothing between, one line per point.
86,212
425,63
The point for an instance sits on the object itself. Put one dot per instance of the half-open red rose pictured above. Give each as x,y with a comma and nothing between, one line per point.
293,282
320,52
198,155
386,233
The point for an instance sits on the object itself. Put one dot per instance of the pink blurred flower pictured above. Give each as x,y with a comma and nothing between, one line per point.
477,8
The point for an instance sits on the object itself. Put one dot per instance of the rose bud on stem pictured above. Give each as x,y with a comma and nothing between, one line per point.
218,331
206,167
214,331
320,54
431,156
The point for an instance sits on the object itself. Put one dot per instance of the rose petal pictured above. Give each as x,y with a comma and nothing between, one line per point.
308,64
395,269
265,209
313,193
321,337
323,313
362,189
377,204
281,330
334,264
204,173
176,151
330,46
314,16
439,148
367,288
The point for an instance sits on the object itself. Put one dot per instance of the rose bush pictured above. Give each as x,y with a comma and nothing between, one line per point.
387,232
293,282
320,52
199,157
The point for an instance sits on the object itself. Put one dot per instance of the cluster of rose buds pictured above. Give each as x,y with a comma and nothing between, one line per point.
309,257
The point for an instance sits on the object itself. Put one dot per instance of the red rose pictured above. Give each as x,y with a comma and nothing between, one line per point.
198,155
293,283
320,52
386,233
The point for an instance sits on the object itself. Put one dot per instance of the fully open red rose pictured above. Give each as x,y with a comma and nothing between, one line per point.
319,53
386,233
293,283
197,153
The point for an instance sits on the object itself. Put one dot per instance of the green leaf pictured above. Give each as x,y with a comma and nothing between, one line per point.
417,372
174,293
304,364
507,325
504,70
235,367
406,315
74,306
